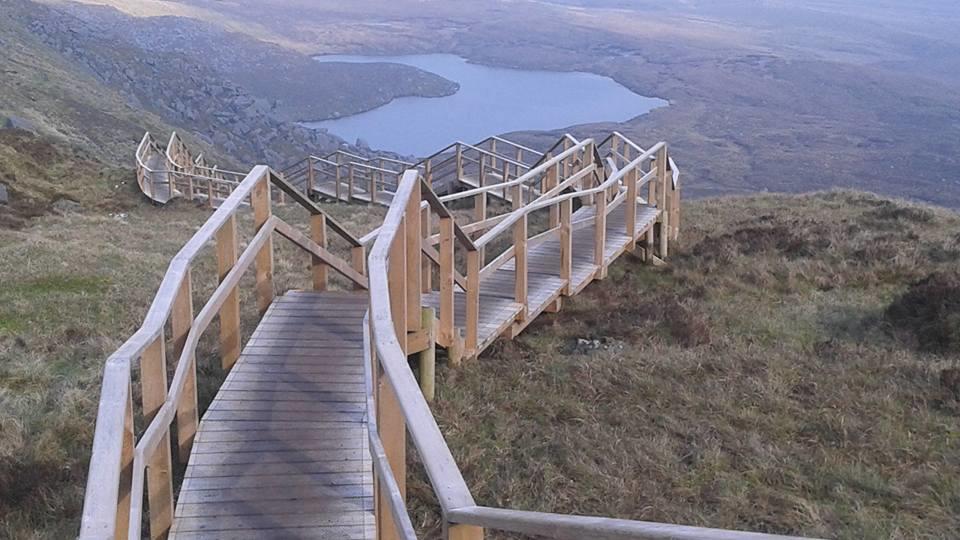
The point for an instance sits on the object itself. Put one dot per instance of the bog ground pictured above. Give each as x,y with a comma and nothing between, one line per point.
766,384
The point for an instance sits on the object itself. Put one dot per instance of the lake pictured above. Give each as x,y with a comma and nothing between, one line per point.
491,101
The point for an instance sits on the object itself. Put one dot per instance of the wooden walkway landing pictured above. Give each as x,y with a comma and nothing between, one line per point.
498,306
329,190
282,450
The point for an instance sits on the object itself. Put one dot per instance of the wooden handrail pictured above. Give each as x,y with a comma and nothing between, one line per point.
516,215
526,177
162,421
572,527
459,514
301,198
99,521
442,470
113,501
378,455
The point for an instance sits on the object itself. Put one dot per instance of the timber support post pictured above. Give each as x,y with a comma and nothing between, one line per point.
230,311
318,232
181,320
260,199
428,357
153,381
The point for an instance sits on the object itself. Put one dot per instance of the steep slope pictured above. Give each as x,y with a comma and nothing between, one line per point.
759,381
46,93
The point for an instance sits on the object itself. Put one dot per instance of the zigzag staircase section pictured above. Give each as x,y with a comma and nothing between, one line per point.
307,435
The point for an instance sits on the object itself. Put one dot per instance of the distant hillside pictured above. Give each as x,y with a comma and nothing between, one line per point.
44,92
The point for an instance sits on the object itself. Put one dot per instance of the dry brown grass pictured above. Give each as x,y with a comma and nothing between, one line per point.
752,384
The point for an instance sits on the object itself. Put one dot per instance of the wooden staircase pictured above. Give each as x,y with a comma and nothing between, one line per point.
307,435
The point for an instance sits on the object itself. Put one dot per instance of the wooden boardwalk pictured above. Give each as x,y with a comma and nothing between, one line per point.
282,450
307,437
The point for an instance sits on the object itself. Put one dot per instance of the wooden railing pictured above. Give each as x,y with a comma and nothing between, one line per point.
180,173
120,465
397,278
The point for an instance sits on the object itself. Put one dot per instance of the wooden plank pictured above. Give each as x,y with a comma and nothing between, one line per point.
304,506
287,427
355,532
267,432
359,454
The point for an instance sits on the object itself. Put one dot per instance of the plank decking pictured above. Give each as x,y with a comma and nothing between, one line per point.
282,450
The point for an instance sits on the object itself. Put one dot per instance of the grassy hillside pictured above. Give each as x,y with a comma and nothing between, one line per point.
760,381
756,382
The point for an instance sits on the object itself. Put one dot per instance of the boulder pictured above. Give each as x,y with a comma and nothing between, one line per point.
4,195
66,206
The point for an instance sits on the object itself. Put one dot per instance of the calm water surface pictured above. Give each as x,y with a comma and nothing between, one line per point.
491,101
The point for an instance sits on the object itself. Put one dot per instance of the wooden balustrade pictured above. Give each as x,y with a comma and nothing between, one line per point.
401,399
121,467
401,280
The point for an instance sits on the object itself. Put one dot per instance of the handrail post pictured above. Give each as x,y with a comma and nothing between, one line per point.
358,261
428,173
373,187
459,163
600,233
311,178
318,231
480,214
338,180
446,281
153,382
674,203
473,302
181,319
350,178
566,244
230,311
126,467
552,181
426,270
260,200
631,206
585,161
520,265
428,357
464,532
662,202
412,240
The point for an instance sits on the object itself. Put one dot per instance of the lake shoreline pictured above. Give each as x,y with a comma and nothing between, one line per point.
491,100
